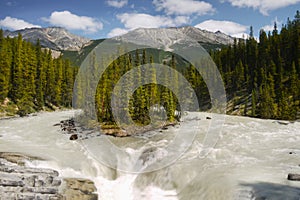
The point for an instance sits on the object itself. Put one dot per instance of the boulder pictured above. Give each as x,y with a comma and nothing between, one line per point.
18,181
293,177
79,189
74,137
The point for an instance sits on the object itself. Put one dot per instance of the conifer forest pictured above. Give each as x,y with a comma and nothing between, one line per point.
261,77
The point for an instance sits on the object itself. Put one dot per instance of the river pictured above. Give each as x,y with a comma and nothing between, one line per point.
250,160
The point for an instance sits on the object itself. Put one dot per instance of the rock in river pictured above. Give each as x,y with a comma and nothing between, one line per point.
293,177
17,181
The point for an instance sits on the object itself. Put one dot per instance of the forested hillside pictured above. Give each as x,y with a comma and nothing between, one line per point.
143,97
30,79
262,78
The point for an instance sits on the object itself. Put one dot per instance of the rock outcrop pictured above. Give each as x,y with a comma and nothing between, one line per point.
17,181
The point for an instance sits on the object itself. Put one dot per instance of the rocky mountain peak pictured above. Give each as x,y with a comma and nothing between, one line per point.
55,38
166,38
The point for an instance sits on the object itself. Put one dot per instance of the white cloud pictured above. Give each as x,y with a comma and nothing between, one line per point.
74,22
117,32
183,7
141,20
117,3
264,6
227,27
16,24
241,35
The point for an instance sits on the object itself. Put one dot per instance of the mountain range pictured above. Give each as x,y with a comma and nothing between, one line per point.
76,47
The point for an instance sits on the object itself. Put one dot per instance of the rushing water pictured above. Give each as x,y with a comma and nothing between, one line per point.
251,159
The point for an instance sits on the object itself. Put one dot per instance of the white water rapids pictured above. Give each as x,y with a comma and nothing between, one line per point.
250,161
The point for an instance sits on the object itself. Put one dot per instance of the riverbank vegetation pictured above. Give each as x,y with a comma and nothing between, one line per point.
31,79
262,77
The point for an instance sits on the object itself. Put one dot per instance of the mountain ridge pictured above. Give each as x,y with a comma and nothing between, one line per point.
76,48
165,38
55,38
60,39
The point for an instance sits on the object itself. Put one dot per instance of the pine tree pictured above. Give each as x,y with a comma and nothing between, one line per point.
254,100
17,65
294,82
5,62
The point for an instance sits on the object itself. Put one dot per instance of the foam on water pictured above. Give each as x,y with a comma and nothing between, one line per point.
251,159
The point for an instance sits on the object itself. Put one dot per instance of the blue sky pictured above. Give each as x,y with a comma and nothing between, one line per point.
106,18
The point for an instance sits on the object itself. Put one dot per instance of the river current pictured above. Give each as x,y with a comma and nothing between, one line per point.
250,160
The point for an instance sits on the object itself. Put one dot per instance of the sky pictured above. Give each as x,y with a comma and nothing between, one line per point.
96,19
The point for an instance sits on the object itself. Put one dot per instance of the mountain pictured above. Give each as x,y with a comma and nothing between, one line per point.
76,48
204,36
161,38
54,38
166,38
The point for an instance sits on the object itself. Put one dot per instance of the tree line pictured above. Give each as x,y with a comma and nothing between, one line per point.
262,77
31,79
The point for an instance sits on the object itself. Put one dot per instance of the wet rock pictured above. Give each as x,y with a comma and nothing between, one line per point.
74,137
12,183
39,183
40,190
30,180
17,158
27,170
20,182
293,177
79,189
148,154
49,180
115,132
10,189
282,122
56,182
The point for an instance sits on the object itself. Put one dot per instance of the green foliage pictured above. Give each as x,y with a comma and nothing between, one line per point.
143,98
261,77
267,70
31,78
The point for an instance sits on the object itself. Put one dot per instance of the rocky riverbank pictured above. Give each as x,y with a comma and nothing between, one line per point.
77,131
18,181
